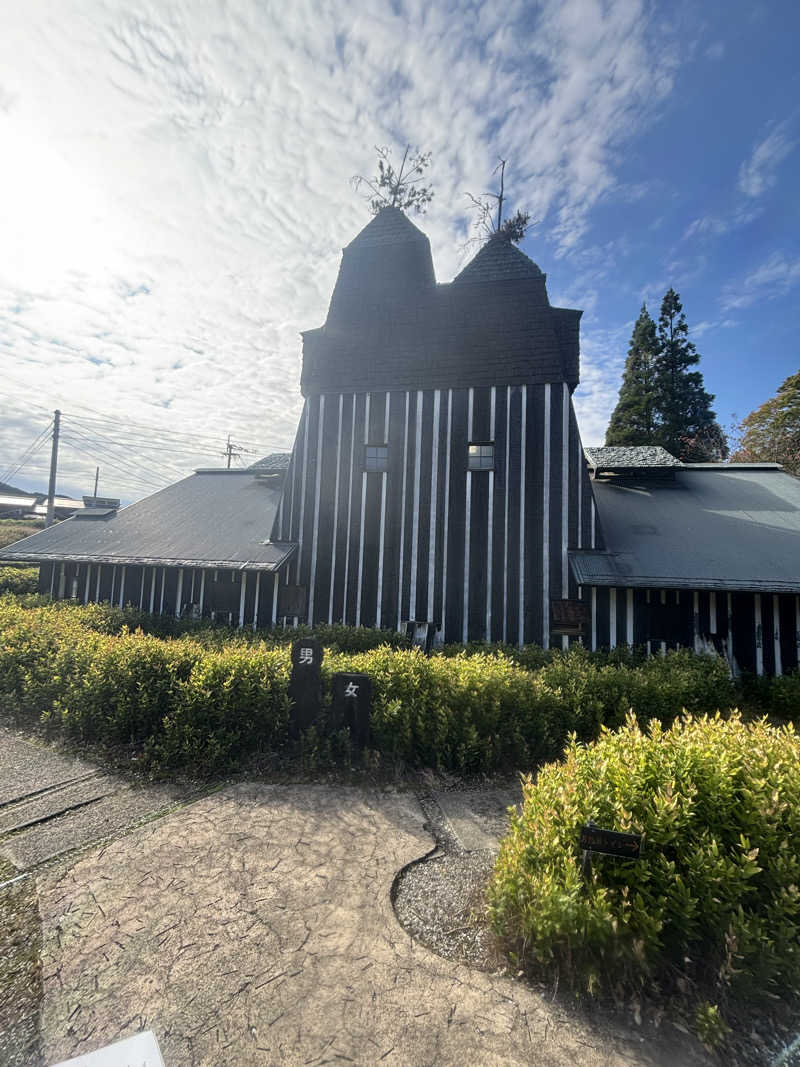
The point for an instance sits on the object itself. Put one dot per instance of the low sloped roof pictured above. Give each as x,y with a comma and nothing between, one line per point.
721,527
212,518
615,457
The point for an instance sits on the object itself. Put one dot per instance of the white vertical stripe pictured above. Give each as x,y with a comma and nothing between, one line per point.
467,518
594,619
758,634
382,532
152,589
315,527
412,601
797,630
647,600
490,519
202,589
402,520
88,583
696,619
712,612
163,583
349,509
242,599
523,450
363,515
564,491
275,583
335,509
434,504
113,583
629,618
191,594
505,514
141,588
663,601
446,507
546,521
776,629
302,499
579,477
53,578
179,595
594,525
612,618
255,602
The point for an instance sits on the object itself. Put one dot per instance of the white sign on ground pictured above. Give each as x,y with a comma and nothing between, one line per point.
141,1050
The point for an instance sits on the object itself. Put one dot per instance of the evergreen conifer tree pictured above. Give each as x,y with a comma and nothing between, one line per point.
633,419
684,416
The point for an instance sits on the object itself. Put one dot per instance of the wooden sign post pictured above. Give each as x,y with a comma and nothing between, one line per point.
304,684
352,705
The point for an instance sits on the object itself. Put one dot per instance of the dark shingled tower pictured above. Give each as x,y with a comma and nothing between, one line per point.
437,477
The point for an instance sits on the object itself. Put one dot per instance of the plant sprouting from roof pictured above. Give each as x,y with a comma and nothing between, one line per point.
490,221
397,188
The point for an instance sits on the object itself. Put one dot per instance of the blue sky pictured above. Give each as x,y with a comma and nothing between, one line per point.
175,194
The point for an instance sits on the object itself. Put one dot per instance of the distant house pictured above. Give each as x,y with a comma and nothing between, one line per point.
438,484
17,504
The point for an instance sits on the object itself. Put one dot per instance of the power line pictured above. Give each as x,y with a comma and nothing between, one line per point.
114,446
28,454
90,448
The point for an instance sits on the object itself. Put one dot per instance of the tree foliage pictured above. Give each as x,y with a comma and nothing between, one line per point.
661,401
771,433
633,421
397,188
489,221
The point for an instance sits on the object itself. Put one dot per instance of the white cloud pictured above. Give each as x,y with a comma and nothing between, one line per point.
175,188
774,278
716,50
759,172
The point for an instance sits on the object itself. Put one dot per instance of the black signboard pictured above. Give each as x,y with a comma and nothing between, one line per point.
569,616
109,502
610,842
304,684
292,602
352,704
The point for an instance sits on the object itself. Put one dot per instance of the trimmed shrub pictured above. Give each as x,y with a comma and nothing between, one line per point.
713,904
19,579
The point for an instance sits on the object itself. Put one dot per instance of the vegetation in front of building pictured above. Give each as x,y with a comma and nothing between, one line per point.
208,699
19,579
710,914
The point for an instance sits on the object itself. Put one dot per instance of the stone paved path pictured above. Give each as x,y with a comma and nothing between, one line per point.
255,927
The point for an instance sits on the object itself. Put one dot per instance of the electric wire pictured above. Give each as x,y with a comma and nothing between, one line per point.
102,456
28,454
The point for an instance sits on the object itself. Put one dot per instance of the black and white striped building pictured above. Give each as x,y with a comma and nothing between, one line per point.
438,482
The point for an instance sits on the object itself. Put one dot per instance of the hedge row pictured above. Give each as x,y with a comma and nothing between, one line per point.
197,701
19,579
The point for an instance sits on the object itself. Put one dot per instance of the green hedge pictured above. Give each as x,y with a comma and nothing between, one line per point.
713,905
210,696
19,579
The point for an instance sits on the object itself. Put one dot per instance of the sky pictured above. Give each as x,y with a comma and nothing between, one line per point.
175,194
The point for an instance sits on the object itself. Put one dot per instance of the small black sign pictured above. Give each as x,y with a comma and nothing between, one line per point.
304,684
610,842
352,704
292,602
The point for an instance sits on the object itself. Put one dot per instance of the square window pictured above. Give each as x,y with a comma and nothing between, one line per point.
376,458
480,456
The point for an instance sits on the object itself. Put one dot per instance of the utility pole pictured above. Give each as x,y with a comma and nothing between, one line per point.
230,451
51,488
96,478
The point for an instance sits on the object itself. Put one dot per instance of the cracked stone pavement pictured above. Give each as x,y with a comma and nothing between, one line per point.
254,926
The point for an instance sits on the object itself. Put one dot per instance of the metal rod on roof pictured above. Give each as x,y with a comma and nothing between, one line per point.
51,488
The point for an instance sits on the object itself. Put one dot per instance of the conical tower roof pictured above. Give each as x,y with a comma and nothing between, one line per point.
386,265
499,260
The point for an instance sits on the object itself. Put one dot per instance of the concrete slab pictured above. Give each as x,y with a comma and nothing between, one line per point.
255,927
478,817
